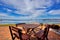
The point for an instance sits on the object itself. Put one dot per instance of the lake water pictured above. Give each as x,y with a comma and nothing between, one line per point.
11,21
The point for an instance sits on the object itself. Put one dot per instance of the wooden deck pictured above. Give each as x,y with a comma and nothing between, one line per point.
5,34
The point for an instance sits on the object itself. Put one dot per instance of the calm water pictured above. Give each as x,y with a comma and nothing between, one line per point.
3,21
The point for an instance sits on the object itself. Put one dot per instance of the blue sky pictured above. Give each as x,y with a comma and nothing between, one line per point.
29,9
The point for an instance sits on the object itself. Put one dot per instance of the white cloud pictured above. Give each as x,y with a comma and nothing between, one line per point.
58,1
9,10
54,12
6,16
2,14
19,4
26,7
35,14
42,3
0,4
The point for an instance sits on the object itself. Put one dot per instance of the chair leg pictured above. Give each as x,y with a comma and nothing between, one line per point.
20,34
11,33
46,38
38,38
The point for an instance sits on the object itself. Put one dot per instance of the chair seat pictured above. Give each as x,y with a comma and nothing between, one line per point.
39,34
25,36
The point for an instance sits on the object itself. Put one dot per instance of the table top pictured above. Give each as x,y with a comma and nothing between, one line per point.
30,25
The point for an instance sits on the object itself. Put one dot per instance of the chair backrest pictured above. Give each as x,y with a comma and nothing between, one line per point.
15,33
46,31
19,24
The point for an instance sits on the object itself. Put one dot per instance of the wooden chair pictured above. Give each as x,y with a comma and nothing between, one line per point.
44,34
15,33
46,31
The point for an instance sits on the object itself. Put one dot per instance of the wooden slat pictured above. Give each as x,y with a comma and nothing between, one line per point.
15,31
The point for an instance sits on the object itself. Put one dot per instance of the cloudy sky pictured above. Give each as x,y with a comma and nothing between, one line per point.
28,10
